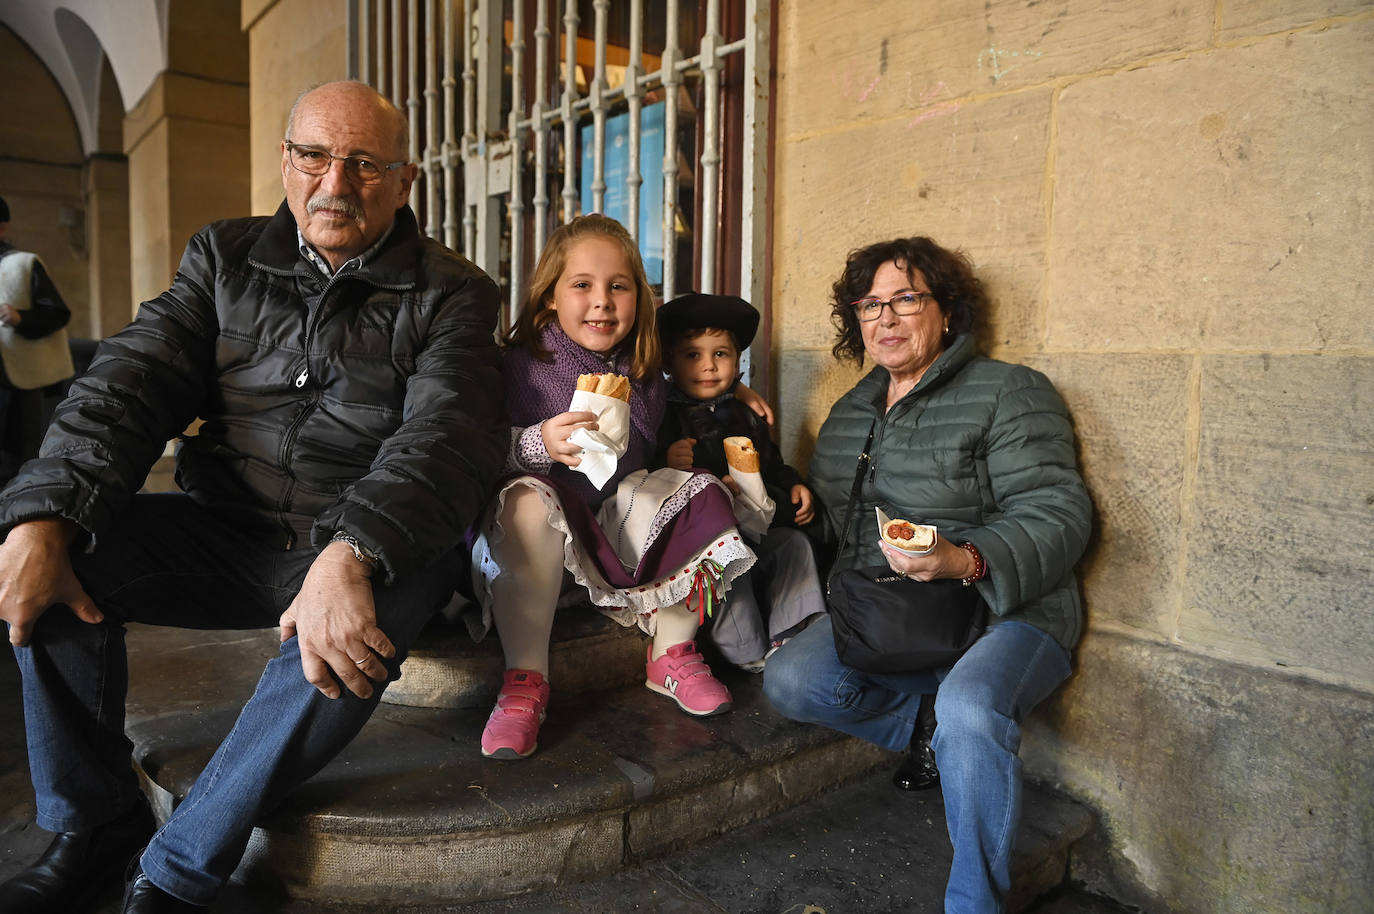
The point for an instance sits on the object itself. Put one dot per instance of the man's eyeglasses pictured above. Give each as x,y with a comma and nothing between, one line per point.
312,160
903,305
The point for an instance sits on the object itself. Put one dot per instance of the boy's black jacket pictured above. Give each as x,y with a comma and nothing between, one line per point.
711,425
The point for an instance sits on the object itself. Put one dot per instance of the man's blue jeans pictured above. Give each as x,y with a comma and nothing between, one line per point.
979,705
168,562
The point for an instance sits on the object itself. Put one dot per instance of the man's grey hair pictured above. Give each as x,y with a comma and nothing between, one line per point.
402,136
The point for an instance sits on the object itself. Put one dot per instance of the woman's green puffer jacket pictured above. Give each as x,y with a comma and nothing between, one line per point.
984,451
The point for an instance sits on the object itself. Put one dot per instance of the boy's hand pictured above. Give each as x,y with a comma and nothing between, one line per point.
557,430
680,454
806,510
750,398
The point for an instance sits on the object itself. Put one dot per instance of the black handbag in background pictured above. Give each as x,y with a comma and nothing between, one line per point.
885,622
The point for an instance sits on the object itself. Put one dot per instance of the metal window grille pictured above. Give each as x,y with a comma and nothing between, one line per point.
525,113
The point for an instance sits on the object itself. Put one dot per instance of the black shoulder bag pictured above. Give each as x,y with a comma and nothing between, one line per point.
885,622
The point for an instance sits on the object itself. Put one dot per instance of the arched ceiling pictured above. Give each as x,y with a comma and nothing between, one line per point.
72,37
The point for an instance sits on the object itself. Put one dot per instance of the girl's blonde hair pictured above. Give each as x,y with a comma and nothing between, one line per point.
646,356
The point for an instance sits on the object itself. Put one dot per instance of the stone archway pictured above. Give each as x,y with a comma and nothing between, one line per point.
178,156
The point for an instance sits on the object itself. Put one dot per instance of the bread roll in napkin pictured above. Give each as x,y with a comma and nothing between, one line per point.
753,508
921,536
602,449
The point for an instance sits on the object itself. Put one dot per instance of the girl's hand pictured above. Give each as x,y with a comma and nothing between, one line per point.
557,430
946,560
729,482
750,398
806,511
680,454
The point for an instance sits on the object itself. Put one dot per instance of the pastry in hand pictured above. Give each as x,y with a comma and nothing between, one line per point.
912,537
741,455
608,385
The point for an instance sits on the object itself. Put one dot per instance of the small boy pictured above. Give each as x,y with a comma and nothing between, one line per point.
702,337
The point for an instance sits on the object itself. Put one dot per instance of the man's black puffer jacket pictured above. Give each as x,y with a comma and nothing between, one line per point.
370,403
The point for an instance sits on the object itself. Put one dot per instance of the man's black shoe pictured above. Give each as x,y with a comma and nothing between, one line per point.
78,866
918,770
142,897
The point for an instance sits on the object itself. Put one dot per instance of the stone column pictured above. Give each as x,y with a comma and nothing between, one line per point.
106,190
187,144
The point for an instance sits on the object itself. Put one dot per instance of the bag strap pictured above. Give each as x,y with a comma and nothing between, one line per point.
864,460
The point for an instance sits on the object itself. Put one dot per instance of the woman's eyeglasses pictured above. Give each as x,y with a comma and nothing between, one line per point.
903,305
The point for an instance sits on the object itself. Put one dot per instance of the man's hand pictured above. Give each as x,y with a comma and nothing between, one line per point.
750,398
336,621
680,454
9,314
801,497
36,572
557,430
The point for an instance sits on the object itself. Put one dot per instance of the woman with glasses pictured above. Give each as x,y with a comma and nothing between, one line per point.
984,451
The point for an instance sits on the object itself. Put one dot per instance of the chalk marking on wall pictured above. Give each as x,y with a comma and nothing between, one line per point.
934,92
863,96
938,111
995,56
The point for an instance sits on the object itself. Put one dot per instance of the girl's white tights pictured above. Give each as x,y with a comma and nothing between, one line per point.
525,593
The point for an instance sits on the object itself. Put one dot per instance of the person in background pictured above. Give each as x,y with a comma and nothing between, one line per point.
33,350
346,372
703,337
984,451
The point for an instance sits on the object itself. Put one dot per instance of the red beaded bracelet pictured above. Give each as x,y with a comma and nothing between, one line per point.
980,568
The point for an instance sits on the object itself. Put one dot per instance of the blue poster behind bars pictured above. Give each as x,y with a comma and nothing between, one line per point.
617,204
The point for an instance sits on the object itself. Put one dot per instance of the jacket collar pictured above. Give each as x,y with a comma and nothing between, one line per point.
872,388
395,265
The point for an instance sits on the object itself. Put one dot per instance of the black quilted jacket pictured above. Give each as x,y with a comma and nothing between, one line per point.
370,403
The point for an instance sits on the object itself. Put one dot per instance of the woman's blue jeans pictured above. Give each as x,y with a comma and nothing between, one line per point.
168,562
979,704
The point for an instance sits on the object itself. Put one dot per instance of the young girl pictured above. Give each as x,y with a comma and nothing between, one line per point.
590,310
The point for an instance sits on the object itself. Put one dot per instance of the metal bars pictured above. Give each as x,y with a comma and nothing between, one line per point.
489,187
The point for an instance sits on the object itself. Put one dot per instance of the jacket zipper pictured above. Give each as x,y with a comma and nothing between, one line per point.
289,438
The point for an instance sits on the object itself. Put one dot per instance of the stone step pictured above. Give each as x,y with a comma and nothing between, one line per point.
410,812
860,846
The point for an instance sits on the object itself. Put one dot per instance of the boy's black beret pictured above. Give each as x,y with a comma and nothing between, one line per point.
698,311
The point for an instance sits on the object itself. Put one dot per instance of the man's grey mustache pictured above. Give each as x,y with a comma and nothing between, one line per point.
341,204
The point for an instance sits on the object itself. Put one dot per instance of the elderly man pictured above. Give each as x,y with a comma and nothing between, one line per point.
345,370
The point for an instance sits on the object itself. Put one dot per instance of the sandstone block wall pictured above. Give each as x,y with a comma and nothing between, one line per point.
293,45
1172,206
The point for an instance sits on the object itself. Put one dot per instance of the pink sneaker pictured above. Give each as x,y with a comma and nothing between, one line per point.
683,676
512,731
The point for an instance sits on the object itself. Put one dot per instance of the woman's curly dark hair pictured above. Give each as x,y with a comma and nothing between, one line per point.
958,293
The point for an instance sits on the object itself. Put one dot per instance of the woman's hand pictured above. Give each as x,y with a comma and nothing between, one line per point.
750,398
946,560
557,430
680,454
801,497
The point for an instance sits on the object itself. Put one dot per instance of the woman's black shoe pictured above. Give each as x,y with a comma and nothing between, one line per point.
918,770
